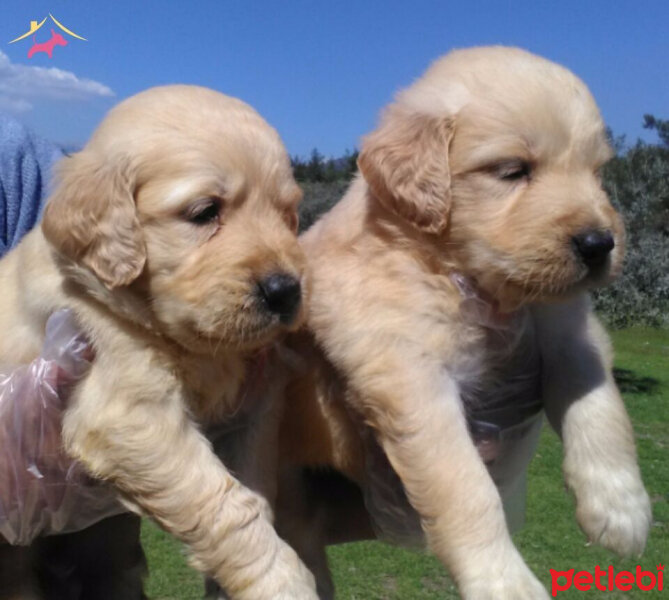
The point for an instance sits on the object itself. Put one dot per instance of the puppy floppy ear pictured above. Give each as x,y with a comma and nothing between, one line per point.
405,163
91,218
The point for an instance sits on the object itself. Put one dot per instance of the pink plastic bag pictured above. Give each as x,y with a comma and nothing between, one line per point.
42,490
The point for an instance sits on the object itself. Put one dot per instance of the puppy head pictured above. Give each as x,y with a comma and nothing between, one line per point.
184,199
510,177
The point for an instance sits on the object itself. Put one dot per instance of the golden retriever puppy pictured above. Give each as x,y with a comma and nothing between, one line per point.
449,288
171,236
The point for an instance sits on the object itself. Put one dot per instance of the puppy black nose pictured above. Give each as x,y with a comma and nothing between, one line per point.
282,294
593,246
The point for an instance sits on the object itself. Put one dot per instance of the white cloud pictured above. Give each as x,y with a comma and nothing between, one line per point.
21,84
14,105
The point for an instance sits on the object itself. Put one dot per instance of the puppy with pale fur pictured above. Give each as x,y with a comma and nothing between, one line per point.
171,235
451,278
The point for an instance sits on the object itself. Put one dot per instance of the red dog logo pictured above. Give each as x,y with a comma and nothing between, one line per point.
56,40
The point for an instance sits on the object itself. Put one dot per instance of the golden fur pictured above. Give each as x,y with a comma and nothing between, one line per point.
157,236
486,168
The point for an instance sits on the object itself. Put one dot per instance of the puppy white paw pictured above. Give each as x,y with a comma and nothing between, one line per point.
612,508
296,582
297,592
504,579
284,578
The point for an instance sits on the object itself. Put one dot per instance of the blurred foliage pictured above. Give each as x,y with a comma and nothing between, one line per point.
319,197
661,126
637,181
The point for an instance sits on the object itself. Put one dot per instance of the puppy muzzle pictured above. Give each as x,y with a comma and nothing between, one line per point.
281,295
593,247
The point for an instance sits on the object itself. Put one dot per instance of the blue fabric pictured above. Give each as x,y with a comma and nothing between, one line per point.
25,169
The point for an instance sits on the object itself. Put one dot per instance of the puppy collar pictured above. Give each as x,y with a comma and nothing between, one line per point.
477,306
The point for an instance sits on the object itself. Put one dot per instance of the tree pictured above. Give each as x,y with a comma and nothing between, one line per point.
661,126
299,168
314,168
318,169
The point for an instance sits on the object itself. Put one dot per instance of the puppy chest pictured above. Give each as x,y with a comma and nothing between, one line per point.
212,388
499,371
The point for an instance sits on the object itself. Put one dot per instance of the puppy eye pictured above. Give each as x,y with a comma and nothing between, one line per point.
204,211
513,171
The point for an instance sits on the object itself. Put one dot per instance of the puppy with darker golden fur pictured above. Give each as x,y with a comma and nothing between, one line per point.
450,283
171,236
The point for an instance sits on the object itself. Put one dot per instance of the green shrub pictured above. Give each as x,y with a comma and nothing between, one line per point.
637,182
319,198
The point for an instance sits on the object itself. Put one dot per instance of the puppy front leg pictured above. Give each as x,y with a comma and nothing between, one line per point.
585,408
421,426
162,464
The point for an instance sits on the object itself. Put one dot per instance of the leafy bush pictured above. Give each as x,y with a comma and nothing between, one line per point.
319,198
638,184
641,294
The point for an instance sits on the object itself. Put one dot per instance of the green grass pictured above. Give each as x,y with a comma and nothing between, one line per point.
550,539
169,575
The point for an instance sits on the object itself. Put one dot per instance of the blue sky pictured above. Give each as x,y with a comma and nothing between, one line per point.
318,71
